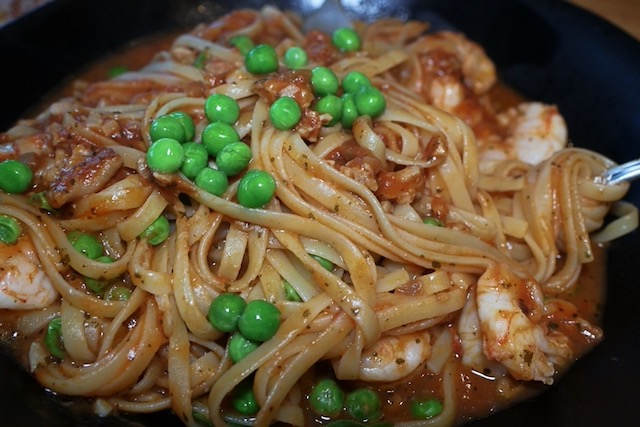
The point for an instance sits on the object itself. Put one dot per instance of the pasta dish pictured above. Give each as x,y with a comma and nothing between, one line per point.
269,227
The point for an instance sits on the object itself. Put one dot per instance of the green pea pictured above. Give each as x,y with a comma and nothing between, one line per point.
196,158
240,347
346,39
221,108
331,105
97,286
187,124
363,404
370,102
327,398
426,408
217,135
324,81
234,158
432,221
201,418
10,230
117,71
167,127
212,181
295,58
53,338
15,177
40,200
157,232
165,156
285,113
85,243
225,310
118,293
243,399
349,110
262,59
243,43
354,81
290,294
325,263
256,188
259,321
200,60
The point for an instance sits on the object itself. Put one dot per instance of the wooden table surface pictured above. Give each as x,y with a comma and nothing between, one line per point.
623,13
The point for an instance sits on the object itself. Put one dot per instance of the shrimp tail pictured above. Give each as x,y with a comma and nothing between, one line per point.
511,311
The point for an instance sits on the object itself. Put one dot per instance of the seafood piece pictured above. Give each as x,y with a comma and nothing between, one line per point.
394,356
534,132
23,284
79,170
478,69
470,337
452,69
511,314
566,315
471,344
446,93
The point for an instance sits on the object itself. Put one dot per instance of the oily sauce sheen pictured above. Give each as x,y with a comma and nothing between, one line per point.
482,394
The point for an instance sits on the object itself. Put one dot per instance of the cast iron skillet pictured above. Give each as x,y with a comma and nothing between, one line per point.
548,50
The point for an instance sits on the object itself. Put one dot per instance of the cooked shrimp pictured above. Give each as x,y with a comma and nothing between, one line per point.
394,356
79,169
470,337
23,284
534,132
446,93
469,333
511,311
451,68
565,315
478,69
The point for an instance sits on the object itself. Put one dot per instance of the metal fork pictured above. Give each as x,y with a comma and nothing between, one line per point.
328,18
625,172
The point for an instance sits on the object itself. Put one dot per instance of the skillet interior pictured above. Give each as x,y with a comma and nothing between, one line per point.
548,50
